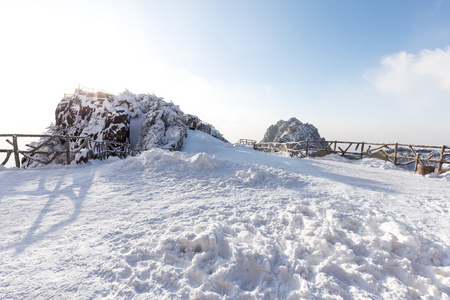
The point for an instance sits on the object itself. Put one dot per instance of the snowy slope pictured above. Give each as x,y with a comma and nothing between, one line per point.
223,222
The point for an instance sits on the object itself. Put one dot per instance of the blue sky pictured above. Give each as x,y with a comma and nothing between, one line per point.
374,71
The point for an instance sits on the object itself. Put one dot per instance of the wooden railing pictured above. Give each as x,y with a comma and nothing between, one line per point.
88,90
245,142
82,145
399,154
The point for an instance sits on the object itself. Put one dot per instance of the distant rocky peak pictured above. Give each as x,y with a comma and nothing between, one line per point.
292,130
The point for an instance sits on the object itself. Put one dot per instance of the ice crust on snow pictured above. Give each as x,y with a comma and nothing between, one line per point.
222,222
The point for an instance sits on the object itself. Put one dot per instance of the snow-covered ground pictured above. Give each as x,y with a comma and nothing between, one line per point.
221,222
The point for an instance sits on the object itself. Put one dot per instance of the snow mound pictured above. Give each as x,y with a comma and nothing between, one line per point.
181,165
163,160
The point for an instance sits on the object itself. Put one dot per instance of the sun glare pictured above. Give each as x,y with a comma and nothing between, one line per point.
51,50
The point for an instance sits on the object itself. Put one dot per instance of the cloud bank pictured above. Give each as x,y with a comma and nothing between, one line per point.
416,77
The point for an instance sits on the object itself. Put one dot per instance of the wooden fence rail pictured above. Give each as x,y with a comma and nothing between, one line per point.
245,142
399,154
74,145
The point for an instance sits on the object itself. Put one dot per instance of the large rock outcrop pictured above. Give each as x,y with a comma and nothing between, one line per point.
99,115
143,121
292,130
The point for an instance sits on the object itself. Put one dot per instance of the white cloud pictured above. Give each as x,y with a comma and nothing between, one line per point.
416,77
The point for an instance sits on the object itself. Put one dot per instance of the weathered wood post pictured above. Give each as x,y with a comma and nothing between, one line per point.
307,147
395,153
67,149
441,159
102,149
16,151
417,162
106,149
127,149
93,146
362,149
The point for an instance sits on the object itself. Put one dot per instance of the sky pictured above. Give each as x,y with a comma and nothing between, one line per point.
373,71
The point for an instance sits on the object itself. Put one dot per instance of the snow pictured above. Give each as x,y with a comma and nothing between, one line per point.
221,222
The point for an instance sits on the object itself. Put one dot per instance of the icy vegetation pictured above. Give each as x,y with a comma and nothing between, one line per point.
144,121
221,222
292,130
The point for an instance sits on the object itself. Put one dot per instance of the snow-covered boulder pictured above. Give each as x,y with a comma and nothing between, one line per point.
97,115
143,121
292,130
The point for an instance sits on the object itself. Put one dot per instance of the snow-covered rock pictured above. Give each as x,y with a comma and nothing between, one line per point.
98,115
292,130
144,121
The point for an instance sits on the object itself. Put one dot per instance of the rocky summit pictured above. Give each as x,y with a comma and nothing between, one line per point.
143,121
292,130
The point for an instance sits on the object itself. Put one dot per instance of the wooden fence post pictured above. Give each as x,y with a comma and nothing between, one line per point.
441,159
307,146
67,149
417,162
106,149
395,153
16,151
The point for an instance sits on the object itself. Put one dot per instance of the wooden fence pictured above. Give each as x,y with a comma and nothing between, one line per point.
73,145
399,154
99,93
245,142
